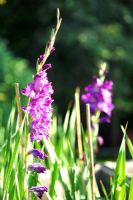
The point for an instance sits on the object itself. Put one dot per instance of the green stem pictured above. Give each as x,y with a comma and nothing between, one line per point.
78,123
19,117
52,41
92,175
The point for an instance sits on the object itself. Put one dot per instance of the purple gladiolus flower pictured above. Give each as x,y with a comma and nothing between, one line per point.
37,167
39,108
99,96
38,153
38,190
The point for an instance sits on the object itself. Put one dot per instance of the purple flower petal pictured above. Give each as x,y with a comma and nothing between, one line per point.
37,167
47,66
38,153
105,119
38,190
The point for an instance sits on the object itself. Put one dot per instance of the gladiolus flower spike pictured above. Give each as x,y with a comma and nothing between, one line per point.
99,96
39,107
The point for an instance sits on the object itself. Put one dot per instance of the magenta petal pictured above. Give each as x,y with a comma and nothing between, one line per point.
39,107
37,153
99,96
37,167
38,190
47,66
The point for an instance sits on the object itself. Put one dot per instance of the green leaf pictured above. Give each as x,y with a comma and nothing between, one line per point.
65,178
32,179
128,141
66,120
119,191
51,151
104,191
131,190
17,187
12,161
54,177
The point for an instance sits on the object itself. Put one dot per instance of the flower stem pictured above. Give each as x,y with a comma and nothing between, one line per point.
78,123
18,101
92,175
18,104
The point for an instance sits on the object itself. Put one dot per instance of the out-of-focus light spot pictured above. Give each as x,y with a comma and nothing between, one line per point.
2,2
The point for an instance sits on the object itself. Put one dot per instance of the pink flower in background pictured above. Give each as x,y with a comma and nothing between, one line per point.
100,140
99,96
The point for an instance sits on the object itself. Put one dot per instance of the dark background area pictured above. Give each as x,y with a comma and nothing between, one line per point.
92,31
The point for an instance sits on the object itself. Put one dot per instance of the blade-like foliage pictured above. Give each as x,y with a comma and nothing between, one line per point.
128,141
131,190
119,189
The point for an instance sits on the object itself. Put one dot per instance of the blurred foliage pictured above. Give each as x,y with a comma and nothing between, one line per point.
12,69
92,31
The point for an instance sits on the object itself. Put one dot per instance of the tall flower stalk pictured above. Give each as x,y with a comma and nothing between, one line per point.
99,96
39,107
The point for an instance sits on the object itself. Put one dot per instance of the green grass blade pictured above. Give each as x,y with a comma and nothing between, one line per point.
13,159
17,186
131,190
119,190
65,178
51,151
71,129
54,177
48,196
104,191
66,120
72,120
128,141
